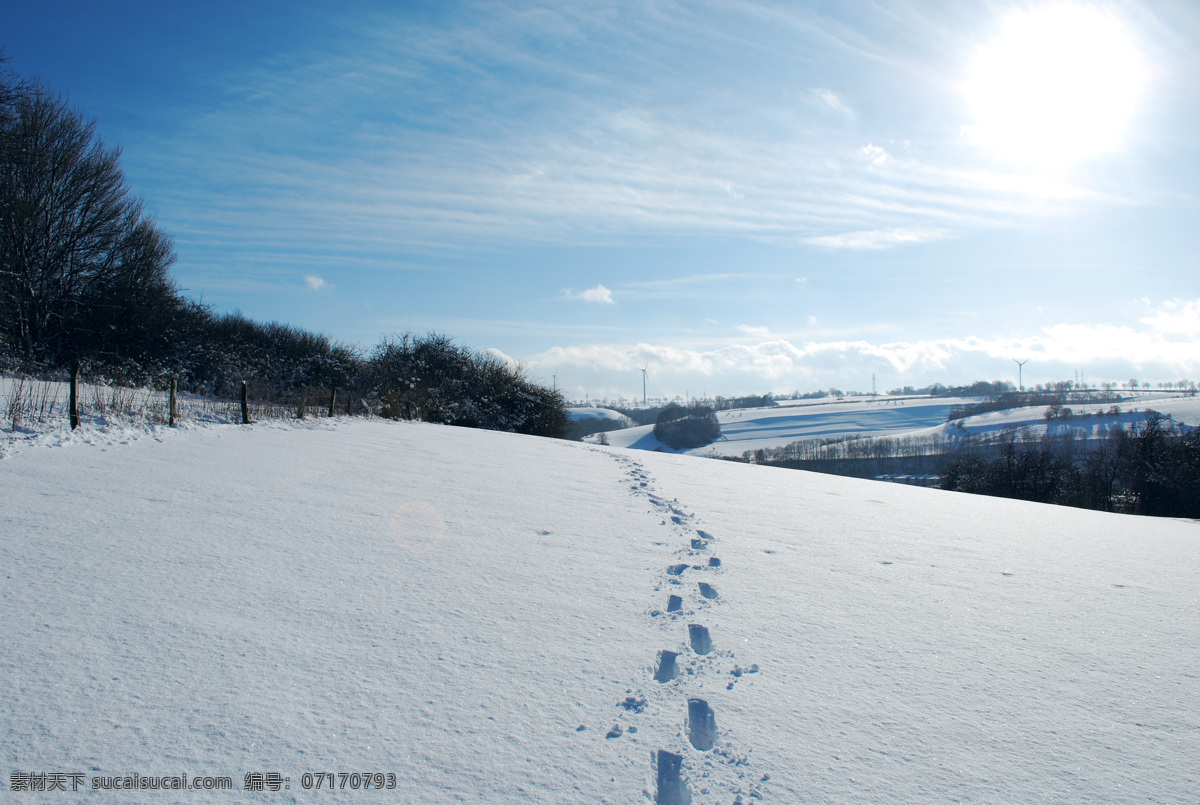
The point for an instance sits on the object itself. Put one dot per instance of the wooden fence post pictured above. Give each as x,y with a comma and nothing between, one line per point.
332,401
171,407
245,405
74,402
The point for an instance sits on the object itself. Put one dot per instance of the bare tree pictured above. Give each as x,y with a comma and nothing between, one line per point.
76,250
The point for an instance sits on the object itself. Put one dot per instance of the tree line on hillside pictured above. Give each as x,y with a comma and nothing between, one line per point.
85,283
1055,398
650,415
685,427
587,426
1151,467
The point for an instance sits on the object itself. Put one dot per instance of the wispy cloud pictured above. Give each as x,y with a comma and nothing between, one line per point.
400,133
314,282
832,100
878,238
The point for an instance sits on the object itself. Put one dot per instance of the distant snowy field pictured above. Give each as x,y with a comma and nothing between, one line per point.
592,412
795,420
485,616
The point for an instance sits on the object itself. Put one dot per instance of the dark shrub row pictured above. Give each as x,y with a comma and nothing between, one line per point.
685,427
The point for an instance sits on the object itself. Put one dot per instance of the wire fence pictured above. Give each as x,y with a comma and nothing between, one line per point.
29,404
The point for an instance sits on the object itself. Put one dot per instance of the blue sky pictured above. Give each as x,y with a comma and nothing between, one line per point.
744,196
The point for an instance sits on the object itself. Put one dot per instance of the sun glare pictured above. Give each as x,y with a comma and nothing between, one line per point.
1056,86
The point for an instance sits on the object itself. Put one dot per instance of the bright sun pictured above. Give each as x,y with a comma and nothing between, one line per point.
1057,85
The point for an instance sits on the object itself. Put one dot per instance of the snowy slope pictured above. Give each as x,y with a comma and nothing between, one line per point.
580,413
753,428
484,616
1086,422
757,428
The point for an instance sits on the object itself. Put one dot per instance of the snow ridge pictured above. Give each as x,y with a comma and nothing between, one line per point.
703,762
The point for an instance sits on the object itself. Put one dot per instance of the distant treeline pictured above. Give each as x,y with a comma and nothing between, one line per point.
1152,467
867,456
650,415
980,388
1055,400
85,283
579,428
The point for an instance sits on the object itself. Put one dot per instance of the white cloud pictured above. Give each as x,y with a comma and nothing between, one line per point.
1177,318
876,155
502,357
599,295
1107,352
879,238
314,282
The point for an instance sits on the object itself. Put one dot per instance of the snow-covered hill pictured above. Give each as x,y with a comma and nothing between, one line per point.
831,418
579,413
497,618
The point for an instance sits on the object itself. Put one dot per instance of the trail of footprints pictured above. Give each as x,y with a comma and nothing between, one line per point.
714,770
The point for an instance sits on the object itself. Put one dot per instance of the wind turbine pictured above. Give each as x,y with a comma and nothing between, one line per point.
1020,367
644,384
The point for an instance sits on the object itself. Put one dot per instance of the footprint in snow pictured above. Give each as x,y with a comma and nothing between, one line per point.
675,570
699,638
708,591
666,667
670,788
674,603
702,725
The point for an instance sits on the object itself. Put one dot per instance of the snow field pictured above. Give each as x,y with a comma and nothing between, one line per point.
796,420
509,619
580,413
